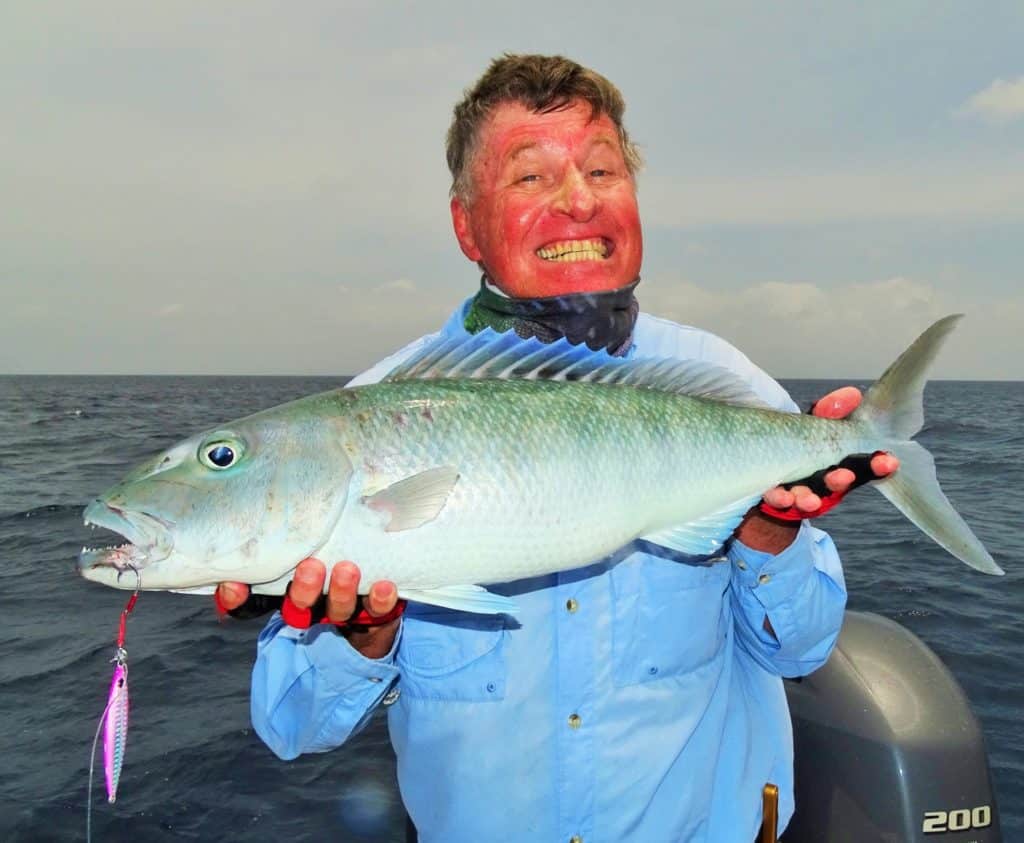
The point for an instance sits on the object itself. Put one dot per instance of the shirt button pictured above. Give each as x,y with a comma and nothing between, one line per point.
571,606
575,839
575,721
391,697
741,565
764,578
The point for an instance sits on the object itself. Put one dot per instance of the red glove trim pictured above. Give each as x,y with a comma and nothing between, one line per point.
793,514
303,618
294,616
218,604
364,618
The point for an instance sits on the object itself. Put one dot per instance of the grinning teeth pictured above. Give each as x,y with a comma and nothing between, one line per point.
574,250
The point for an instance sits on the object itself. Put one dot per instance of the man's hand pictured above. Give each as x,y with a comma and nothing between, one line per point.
835,405
762,532
308,585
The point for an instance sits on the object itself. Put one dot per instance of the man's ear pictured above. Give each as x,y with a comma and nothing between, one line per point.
463,230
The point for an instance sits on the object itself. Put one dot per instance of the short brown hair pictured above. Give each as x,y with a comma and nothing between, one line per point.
540,83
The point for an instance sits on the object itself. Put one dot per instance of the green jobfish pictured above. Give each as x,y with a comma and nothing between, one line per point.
492,459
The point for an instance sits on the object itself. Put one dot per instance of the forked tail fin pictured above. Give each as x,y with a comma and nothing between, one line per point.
894,410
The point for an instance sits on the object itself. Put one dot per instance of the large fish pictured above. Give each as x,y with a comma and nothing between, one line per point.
492,459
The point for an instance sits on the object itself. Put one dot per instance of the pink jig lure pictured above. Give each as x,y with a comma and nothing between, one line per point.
114,720
115,724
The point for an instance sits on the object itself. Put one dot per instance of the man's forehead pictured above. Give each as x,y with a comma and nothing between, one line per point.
512,129
525,147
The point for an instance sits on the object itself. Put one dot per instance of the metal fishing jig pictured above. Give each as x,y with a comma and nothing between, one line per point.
114,720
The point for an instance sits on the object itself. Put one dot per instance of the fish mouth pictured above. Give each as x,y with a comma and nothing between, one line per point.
148,539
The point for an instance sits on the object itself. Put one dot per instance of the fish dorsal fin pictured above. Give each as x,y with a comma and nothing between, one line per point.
489,355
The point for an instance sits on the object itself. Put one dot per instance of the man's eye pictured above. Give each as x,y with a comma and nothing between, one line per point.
529,177
599,173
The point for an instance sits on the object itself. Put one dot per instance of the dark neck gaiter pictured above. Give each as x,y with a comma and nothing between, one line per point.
601,320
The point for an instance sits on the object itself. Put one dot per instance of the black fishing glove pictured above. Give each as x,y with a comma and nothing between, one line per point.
859,464
254,606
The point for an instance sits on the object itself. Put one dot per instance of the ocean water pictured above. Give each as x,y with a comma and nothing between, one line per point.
194,769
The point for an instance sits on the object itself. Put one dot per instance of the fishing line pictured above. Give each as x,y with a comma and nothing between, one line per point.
119,687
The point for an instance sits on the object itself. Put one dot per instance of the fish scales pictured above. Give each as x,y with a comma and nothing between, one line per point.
556,472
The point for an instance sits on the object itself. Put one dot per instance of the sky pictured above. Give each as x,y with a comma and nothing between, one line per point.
260,187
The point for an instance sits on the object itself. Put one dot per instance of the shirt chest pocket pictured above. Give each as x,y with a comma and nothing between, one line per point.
451,656
669,618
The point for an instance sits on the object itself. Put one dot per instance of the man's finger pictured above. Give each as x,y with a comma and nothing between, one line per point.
307,583
838,404
884,464
341,593
806,500
232,594
382,598
840,480
779,498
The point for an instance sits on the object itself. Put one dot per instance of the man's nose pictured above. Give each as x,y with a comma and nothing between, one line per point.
576,197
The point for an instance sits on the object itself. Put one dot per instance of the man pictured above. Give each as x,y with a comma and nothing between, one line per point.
638,698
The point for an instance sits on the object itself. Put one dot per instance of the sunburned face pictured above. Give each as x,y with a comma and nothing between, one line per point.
554,207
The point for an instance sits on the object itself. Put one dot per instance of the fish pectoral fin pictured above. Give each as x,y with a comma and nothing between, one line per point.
462,598
705,535
416,500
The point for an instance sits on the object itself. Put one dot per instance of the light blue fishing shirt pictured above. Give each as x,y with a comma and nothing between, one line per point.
637,699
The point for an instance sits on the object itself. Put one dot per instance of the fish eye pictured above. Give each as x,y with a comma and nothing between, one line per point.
220,454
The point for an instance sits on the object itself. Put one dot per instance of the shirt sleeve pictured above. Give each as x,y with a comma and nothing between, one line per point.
311,690
801,591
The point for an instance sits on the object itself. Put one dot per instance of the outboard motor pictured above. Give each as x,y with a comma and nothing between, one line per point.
887,747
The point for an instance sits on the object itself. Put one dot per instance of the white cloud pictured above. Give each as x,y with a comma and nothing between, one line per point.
169,310
855,330
912,190
1000,102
